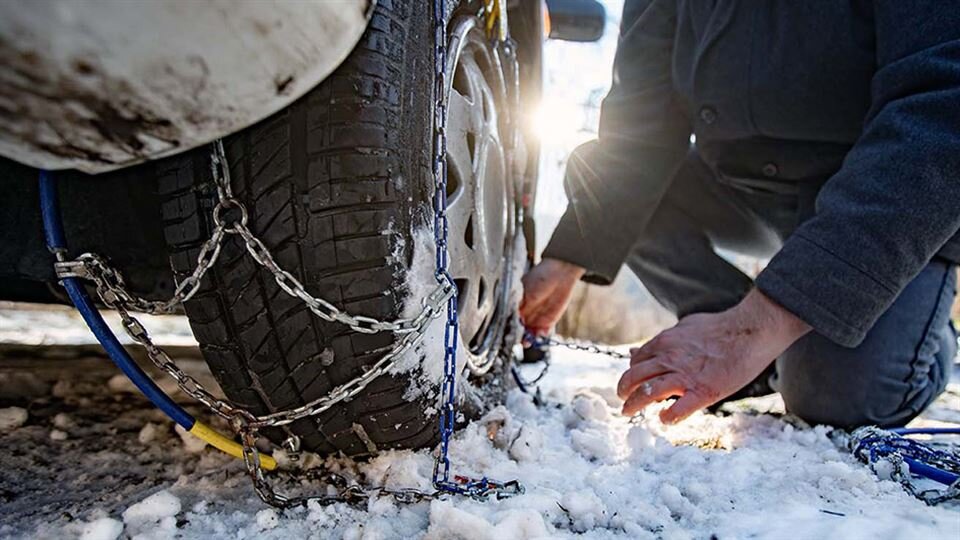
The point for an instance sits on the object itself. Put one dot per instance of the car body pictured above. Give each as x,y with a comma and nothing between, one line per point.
109,88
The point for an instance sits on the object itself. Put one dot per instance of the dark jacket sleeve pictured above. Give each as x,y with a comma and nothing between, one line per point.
896,200
614,184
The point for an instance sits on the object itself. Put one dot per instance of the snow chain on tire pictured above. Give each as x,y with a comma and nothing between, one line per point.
230,218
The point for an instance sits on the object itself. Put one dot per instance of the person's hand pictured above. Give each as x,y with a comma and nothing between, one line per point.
707,357
546,293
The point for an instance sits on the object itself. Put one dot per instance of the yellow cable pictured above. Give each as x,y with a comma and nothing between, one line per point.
496,19
225,444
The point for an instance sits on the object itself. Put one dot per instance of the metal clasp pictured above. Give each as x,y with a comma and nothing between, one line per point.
71,269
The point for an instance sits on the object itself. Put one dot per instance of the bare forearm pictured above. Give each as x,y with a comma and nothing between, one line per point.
708,356
775,327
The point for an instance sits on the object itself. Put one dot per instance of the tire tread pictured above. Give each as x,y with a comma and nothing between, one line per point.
323,180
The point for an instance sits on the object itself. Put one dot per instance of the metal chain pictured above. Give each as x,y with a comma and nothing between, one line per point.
114,288
431,306
441,469
476,488
871,445
540,342
113,291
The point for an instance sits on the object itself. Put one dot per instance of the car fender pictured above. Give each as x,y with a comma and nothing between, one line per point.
98,85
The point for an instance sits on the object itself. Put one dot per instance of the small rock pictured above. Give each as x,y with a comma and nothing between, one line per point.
267,519
120,384
62,389
191,443
64,421
148,433
11,418
57,435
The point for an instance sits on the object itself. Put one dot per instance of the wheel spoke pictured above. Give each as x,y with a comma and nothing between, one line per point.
479,98
494,200
459,127
463,259
479,204
470,319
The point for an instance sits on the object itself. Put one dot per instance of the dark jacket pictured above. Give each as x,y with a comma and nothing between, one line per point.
861,97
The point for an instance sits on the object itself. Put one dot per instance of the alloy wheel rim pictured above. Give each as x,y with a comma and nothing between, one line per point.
481,198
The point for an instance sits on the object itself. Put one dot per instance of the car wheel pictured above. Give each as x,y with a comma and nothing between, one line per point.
339,188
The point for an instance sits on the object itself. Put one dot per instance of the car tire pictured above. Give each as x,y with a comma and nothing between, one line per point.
336,186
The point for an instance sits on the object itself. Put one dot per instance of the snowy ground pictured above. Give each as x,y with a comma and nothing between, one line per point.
86,457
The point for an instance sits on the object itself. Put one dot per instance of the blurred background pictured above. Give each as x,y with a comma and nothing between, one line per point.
576,80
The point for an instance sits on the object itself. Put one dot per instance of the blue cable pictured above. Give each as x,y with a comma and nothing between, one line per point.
920,468
50,208
926,431
56,242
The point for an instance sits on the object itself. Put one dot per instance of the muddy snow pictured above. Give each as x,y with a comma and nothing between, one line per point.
85,457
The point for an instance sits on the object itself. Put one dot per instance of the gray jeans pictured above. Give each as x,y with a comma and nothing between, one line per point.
899,369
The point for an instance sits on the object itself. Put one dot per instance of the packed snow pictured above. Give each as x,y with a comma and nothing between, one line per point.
121,470
86,457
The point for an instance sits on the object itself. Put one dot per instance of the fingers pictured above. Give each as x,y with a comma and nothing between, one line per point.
535,297
536,321
639,354
658,344
537,331
542,314
688,404
636,375
653,390
532,293
527,306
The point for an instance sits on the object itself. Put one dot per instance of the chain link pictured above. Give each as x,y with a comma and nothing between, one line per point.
431,307
540,342
872,445
230,217
112,290
460,485
441,469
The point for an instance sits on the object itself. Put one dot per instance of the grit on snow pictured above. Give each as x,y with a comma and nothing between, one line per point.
86,457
